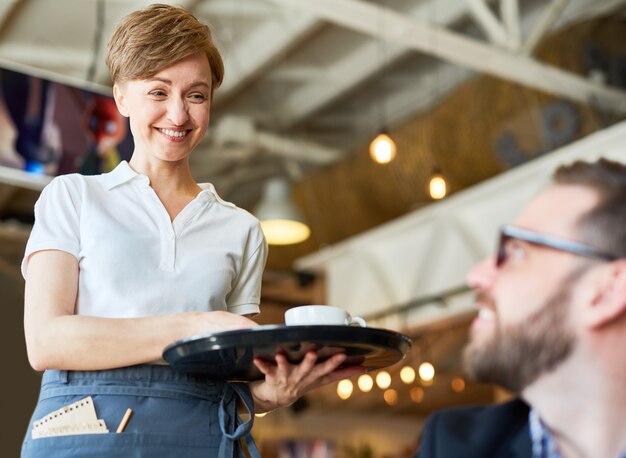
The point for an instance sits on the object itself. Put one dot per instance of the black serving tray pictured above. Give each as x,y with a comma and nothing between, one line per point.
228,355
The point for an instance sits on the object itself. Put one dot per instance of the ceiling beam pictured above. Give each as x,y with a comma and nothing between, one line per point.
509,10
8,10
598,8
357,67
487,21
271,40
462,50
236,10
549,17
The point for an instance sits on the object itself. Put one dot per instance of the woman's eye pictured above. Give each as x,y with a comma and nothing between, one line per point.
157,93
198,97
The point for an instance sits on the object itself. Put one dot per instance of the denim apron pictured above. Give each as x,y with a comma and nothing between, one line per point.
174,414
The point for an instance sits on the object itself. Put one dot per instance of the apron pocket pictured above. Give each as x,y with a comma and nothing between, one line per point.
123,445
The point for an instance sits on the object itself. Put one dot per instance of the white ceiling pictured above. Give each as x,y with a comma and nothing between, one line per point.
310,81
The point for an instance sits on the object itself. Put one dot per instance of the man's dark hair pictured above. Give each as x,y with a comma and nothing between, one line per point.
604,226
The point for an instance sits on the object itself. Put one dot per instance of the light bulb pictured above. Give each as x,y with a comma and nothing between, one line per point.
437,186
426,372
344,389
382,149
407,374
383,380
366,383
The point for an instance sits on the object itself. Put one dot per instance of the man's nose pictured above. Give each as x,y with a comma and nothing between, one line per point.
177,111
482,275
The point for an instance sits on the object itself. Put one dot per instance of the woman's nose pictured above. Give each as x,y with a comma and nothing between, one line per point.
177,112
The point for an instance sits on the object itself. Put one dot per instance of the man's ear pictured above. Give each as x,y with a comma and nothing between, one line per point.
120,100
609,301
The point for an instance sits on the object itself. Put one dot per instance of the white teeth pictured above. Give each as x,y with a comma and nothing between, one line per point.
174,133
486,314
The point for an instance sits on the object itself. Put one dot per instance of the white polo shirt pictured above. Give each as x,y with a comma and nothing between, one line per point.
134,261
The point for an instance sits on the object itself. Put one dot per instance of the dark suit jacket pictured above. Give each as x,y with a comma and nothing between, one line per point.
496,431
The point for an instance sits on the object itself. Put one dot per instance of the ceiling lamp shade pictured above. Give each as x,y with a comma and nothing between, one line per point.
281,221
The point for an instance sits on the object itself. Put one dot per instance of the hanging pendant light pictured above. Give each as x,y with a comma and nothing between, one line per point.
437,185
281,221
382,148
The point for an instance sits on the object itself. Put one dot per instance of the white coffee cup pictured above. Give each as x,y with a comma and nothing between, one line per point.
321,315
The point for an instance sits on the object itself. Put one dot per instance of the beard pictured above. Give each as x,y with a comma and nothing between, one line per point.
514,357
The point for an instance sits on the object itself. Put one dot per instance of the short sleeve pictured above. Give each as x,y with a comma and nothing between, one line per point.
57,220
245,296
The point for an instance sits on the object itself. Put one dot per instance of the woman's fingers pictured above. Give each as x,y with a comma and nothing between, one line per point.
317,374
304,368
285,382
263,366
341,373
307,368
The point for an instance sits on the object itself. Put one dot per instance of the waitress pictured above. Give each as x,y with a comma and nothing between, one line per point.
122,264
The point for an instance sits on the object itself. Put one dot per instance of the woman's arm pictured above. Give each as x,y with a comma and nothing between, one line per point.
56,338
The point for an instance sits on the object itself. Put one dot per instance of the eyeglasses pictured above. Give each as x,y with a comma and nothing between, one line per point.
557,243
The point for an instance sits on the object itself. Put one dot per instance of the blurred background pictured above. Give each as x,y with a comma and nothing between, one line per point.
478,100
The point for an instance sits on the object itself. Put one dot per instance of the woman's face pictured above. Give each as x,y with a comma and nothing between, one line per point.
169,113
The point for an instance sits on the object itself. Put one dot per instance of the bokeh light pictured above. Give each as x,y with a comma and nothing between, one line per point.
407,375
383,380
344,389
426,372
366,383
417,394
391,397
457,384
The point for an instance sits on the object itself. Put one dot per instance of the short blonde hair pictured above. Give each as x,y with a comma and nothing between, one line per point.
148,40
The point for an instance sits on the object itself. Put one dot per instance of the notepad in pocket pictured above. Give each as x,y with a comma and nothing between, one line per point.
77,418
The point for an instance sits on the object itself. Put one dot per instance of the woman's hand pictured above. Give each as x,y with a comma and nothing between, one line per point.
284,383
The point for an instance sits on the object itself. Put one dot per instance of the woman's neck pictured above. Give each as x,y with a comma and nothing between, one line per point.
167,178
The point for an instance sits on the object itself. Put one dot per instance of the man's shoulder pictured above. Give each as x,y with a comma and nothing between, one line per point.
494,430
507,412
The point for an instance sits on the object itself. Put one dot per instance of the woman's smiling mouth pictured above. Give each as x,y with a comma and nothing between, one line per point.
178,134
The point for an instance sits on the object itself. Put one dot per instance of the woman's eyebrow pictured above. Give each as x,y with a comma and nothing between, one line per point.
169,82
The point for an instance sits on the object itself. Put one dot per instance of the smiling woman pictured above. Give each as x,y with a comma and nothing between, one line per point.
144,256
169,112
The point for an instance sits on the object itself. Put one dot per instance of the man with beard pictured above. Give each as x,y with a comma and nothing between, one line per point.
551,327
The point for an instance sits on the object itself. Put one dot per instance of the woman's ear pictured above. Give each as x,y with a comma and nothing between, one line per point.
609,302
120,100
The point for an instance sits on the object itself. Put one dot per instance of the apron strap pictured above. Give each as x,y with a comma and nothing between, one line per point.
233,429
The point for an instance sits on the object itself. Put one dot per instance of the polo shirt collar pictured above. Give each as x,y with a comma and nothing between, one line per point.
209,192
121,174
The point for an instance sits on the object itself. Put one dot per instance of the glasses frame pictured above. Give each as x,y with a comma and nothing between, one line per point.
550,241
